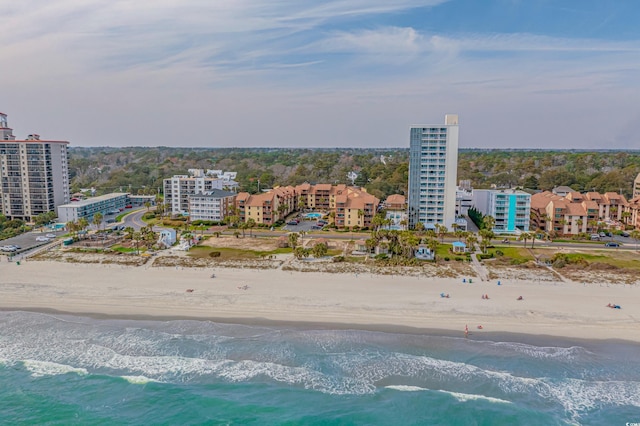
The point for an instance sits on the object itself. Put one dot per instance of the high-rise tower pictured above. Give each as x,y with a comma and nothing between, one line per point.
433,170
34,174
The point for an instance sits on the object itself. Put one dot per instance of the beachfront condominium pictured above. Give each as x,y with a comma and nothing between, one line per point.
433,169
34,174
509,207
179,188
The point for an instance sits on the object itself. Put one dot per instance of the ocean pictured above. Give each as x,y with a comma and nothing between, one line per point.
73,370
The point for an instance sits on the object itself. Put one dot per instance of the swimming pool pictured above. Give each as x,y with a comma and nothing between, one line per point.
313,215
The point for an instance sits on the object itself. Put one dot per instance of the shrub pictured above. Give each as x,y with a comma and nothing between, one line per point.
458,259
381,256
499,253
148,216
214,254
446,259
337,259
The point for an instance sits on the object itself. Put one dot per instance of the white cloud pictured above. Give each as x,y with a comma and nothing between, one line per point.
197,72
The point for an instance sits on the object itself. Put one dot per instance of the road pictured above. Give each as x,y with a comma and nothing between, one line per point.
134,219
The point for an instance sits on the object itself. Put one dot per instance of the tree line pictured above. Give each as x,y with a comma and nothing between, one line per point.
381,171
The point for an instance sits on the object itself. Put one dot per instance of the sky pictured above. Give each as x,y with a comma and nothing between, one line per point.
311,73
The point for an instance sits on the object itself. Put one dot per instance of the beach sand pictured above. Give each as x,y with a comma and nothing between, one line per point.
362,301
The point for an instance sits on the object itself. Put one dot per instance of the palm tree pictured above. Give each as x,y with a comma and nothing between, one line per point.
579,222
293,240
129,231
360,216
137,236
489,222
525,236
441,230
97,220
486,236
147,204
471,240
319,250
625,216
251,224
83,223
432,244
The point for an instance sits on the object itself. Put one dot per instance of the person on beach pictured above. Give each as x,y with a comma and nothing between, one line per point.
466,330
519,298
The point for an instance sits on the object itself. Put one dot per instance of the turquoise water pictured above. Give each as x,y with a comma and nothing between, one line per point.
59,369
313,215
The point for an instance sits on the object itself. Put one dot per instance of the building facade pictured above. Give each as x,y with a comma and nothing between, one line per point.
213,205
433,169
106,205
578,213
510,208
179,188
34,174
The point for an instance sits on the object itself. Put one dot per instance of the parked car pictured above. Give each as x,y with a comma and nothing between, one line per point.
128,206
595,237
612,244
625,234
292,222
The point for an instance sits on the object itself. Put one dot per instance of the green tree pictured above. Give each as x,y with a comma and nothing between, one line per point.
319,250
293,240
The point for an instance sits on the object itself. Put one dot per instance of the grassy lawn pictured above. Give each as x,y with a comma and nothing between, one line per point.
234,253
620,259
519,253
121,249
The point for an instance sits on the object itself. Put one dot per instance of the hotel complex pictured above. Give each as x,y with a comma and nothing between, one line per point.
433,169
34,174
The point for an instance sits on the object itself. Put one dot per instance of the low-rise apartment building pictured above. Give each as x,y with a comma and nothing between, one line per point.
576,213
266,208
108,204
212,205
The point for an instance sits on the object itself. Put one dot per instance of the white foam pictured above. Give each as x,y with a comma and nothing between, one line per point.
543,352
406,388
138,380
46,368
464,397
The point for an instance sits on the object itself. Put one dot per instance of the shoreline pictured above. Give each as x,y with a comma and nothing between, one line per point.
486,336
398,303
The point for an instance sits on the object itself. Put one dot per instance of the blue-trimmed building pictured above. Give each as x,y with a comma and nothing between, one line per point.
510,208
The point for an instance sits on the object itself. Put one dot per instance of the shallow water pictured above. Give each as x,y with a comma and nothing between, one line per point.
62,369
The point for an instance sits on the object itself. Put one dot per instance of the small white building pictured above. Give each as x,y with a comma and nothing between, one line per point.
167,237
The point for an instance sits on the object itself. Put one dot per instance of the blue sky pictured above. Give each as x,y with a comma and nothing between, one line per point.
520,73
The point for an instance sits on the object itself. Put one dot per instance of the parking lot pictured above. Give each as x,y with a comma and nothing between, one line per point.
304,225
27,241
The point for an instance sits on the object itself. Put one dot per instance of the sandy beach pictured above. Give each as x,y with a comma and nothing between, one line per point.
363,301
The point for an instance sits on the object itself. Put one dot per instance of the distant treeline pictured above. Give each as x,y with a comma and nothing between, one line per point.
381,171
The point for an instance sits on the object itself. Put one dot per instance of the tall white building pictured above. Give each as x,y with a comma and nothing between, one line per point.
179,188
433,170
34,174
